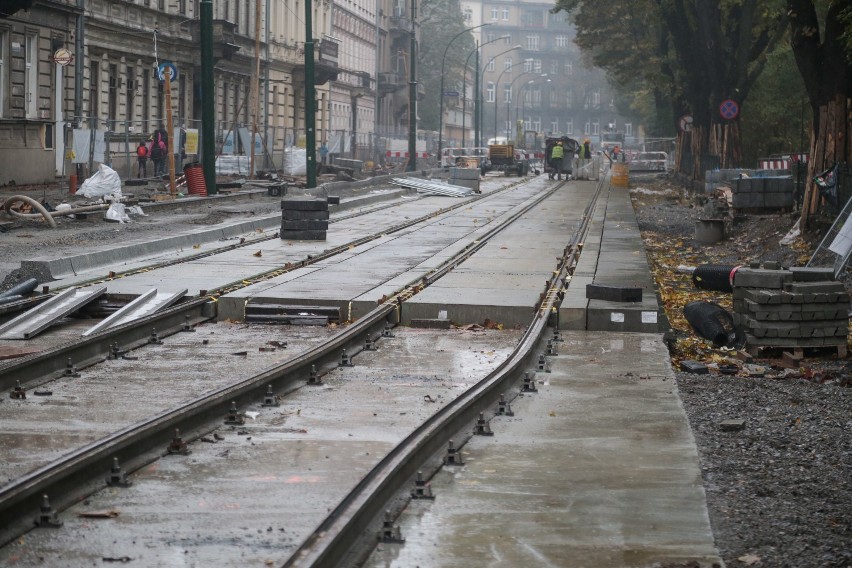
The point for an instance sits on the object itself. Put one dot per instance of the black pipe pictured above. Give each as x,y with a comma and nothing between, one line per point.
20,289
716,277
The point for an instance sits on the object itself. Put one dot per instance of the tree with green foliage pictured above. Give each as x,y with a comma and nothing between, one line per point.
694,53
440,21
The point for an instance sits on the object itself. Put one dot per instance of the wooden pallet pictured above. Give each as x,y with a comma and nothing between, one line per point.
797,352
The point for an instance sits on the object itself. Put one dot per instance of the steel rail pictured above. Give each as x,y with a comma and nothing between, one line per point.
41,367
71,477
344,526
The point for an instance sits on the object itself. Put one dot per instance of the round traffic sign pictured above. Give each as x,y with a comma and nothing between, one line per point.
729,109
63,57
684,123
161,71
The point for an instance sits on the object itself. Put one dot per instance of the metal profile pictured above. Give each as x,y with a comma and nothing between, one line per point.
148,303
32,322
433,187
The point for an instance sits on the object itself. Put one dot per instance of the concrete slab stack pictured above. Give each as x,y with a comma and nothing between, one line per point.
793,309
304,219
465,177
762,193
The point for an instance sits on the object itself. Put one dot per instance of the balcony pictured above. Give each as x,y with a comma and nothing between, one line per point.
325,63
390,82
224,38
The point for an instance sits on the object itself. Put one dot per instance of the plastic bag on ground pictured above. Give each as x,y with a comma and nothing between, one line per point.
116,213
103,182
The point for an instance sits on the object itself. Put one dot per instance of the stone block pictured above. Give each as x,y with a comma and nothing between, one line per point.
302,235
747,200
761,278
610,293
301,204
778,200
814,287
296,215
305,225
695,367
812,274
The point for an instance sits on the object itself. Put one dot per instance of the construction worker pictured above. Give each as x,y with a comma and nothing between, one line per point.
556,155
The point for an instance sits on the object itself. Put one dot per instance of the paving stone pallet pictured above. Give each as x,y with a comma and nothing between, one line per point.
304,219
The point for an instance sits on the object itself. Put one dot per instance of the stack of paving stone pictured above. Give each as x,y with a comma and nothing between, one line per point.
794,309
762,193
304,219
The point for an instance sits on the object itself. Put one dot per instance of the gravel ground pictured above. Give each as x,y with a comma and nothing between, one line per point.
779,491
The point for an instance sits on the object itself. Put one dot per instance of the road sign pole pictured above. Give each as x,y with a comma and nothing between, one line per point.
170,143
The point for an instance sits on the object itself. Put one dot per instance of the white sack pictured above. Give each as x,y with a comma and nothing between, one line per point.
103,182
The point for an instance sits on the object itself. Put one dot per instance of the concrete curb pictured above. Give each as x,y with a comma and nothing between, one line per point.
57,268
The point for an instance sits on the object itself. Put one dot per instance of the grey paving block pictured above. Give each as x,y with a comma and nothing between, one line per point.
611,293
761,278
695,367
747,200
302,235
430,323
287,225
811,274
297,215
814,287
299,204
778,200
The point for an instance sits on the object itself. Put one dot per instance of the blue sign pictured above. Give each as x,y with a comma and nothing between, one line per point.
161,70
729,109
451,93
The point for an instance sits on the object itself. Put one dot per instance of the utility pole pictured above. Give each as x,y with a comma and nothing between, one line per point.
476,97
79,48
412,95
208,117
310,101
255,103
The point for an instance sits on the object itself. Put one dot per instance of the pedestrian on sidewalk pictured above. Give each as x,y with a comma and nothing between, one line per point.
142,160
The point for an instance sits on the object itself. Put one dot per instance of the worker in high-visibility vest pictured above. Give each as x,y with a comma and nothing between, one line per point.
556,156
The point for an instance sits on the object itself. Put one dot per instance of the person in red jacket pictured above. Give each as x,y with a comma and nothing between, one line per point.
142,160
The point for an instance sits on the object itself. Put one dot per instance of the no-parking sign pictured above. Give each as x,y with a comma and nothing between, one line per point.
729,109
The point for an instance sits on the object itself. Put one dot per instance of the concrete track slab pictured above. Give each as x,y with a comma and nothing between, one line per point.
599,469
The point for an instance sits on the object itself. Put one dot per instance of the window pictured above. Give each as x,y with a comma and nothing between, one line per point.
536,96
181,6
596,98
507,39
554,126
587,129
569,69
562,40
533,18
628,129
495,13
161,4
489,93
490,65
535,124
569,99
146,99
4,38
532,42
112,98
505,14
554,67
507,93
467,14
596,128
528,65
489,37
31,76
94,91
536,65
569,127
507,64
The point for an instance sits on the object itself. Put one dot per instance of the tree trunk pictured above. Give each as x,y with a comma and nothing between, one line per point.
830,143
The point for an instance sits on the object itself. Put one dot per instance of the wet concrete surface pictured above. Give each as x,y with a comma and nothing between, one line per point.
117,393
599,469
251,498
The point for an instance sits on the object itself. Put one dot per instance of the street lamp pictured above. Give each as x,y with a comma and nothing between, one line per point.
521,100
497,83
464,82
441,94
508,104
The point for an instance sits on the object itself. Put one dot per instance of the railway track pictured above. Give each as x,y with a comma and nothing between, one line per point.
80,472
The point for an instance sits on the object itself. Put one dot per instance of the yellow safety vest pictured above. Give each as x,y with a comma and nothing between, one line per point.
557,152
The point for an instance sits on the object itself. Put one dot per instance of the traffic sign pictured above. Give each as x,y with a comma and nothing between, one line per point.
451,93
684,123
63,57
161,71
729,109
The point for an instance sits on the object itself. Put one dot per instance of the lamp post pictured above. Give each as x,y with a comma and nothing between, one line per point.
498,81
521,100
441,94
464,82
508,104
